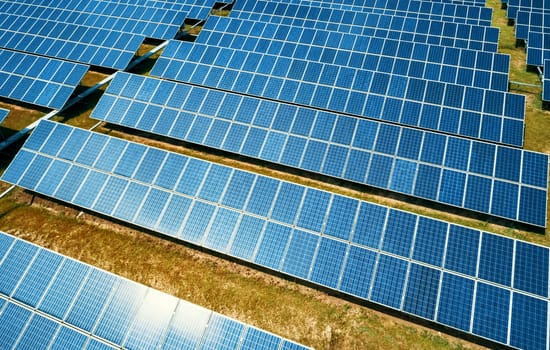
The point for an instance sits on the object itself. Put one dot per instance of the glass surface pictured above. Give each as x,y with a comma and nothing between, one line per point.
389,280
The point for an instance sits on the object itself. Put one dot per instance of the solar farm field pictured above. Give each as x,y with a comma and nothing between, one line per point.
292,174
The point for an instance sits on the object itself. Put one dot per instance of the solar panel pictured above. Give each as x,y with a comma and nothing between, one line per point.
412,9
197,9
360,92
73,42
396,27
513,6
364,5
148,21
422,164
527,21
538,48
431,62
38,80
3,114
51,301
546,81
414,264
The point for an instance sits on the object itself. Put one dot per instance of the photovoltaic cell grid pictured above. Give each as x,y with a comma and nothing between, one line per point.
527,21
412,9
147,21
38,80
74,42
395,27
469,174
487,285
50,301
360,92
431,62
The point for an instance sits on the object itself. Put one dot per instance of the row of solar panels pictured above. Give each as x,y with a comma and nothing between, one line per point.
101,33
311,10
483,177
490,286
48,301
38,80
531,20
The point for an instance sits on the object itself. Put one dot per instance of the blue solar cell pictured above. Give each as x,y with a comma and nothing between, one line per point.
327,267
341,217
13,266
427,181
221,230
380,170
478,190
535,260
313,210
528,325
272,246
89,303
456,301
196,224
492,306
246,237
505,199
452,187
422,289
429,242
495,259
299,255
287,204
399,233
63,289
534,168
12,322
389,280
462,250
174,214
403,176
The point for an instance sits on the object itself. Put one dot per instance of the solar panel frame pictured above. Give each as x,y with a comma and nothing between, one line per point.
146,317
355,91
38,80
270,246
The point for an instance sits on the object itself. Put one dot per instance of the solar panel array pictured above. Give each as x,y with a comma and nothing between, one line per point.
490,286
38,80
528,21
148,21
381,5
482,177
419,30
50,301
432,62
340,89
412,9
531,18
